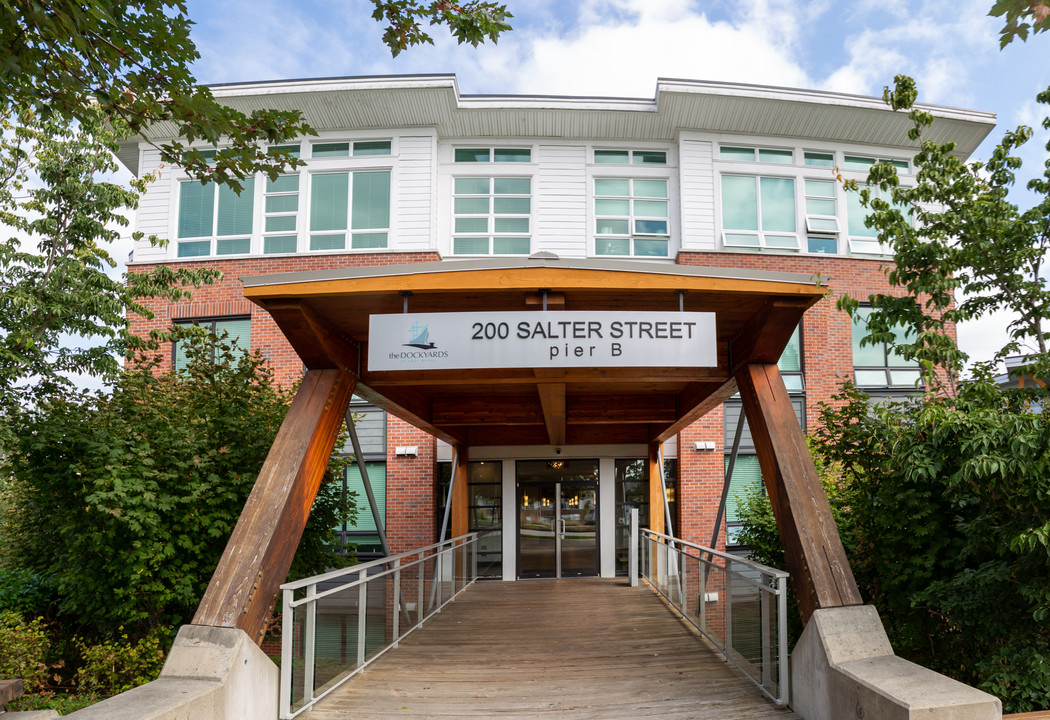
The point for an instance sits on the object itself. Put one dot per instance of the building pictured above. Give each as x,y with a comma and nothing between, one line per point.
707,179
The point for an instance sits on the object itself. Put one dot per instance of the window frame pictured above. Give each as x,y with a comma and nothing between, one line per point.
491,235
213,321
631,176
886,368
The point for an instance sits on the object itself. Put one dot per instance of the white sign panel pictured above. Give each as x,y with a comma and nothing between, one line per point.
452,341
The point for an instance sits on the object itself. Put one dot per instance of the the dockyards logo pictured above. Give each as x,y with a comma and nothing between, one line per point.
426,351
420,338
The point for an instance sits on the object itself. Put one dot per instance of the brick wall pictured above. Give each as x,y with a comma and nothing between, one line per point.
410,501
226,298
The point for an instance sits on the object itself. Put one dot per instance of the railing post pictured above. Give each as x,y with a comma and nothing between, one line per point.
702,610
475,542
287,628
729,608
362,621
632,554
783,666
397,601
309,644
764,606
422,581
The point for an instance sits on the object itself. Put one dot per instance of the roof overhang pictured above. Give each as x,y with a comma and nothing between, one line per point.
325,316
435,103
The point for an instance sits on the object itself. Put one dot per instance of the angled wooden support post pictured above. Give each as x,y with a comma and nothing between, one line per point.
260,550
460,500
813,551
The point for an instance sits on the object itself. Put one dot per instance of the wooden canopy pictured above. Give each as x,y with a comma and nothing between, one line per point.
325,316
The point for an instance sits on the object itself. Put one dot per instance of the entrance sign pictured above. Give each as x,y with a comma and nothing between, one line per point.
460,341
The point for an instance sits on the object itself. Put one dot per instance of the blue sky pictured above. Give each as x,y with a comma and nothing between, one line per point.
620,48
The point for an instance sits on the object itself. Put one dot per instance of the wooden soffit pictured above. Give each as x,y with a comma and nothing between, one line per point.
325,317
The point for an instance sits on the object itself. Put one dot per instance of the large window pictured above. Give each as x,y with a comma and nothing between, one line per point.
759,212
362,532
746,475
631,217
880,365
632,491
214,220
492,216
237,332
484,510
349,203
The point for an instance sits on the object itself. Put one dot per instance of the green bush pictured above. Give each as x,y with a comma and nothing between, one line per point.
117,665
23,650
944,509
122,502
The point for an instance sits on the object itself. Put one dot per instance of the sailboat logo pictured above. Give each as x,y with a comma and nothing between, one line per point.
420,338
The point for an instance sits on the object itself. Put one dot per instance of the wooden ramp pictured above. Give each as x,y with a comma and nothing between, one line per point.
559,649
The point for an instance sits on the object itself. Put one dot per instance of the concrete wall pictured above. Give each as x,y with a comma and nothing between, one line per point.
844,668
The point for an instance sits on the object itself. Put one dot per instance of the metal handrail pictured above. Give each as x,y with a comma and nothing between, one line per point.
443,556
671,554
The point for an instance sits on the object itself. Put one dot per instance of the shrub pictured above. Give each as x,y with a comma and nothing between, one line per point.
117,665
23,648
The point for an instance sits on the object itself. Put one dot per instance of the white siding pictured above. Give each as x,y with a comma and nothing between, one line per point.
412,206
697,195
560,201
155,207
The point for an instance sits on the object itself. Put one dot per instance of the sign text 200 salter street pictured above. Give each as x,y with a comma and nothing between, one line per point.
418,341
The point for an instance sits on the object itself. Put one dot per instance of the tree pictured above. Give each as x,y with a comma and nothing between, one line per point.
961,248
61,311
133,58
1017,14
121,504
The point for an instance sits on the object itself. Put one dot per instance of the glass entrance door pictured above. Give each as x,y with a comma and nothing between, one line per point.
557,518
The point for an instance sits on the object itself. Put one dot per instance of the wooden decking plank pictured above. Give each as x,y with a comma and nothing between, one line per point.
568,649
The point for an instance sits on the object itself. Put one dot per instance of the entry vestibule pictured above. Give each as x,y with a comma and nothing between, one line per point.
526,530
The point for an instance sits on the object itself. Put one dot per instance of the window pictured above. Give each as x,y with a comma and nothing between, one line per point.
237,330
476,155
213,219
790,362
485,513
346,149
862,239
879,365
354,201
363,532
857,163
631,217
749,154
281,209
819,159
759,212
630,157
632,491
491,216
746,475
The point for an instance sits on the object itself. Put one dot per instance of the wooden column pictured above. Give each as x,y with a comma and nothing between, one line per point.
813,550
261,548
657,513
459,522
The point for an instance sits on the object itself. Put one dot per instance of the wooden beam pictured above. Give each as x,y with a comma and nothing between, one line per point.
813,551
613,409
318,344
409,405
460,522
260,550
475,410
695,402
656,491
764,338
552,398
519,376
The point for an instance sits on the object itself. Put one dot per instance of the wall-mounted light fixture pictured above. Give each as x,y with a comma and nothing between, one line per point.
704,445
406,451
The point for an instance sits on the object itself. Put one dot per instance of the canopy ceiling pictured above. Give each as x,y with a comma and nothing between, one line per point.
325,316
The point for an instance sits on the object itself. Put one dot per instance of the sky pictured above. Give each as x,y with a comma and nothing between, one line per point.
620,47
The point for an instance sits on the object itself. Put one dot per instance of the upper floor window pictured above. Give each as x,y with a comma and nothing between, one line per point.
630,157
751,154
237,333
759,212
492,216
349,203
631,217
359,148
213,219
478,155
880,365
860,163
